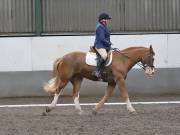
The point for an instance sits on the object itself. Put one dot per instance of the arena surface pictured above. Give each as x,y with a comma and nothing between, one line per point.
152,119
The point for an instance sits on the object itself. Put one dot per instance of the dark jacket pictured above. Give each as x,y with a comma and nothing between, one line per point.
102,37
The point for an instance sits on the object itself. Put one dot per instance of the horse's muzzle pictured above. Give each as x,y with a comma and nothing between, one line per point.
149,71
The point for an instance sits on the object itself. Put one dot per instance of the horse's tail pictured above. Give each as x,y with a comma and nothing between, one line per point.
56,64
53,84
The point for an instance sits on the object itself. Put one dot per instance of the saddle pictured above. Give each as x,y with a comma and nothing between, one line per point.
92,56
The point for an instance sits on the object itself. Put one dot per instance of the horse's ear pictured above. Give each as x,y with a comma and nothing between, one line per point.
151,47
151,50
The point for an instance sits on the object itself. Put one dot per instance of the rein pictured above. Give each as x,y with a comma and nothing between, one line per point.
143,66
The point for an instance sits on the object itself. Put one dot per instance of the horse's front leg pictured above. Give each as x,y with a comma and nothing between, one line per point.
121,84
107,94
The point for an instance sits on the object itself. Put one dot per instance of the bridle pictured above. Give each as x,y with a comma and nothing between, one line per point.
140,64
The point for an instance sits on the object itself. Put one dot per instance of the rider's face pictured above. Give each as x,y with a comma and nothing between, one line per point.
108,21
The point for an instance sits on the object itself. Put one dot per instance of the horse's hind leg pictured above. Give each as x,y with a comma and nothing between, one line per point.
76,82
53,103
107,95
56,96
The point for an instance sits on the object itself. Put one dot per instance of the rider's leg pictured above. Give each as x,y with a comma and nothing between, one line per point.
102,52
101,61
99,67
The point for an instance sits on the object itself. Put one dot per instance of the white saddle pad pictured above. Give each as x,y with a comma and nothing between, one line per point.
91,59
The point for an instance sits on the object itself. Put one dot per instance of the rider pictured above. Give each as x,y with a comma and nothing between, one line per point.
102,42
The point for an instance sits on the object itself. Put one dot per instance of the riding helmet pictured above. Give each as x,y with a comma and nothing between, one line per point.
104,16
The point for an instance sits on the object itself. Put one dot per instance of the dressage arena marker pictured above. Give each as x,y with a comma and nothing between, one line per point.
89,104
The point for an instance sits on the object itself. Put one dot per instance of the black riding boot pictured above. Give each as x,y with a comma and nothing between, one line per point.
99,68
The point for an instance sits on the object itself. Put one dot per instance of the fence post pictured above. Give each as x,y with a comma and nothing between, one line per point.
38,17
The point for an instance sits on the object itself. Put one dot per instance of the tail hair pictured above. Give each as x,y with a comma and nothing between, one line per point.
56,64
53,84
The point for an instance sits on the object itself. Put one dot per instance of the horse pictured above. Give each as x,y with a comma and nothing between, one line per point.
73,68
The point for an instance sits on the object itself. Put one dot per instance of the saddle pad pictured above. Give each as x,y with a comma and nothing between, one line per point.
91,59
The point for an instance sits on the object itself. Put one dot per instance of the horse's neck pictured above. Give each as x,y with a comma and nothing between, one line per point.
134,56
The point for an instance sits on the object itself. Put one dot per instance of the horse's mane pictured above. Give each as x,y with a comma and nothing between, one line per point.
126,50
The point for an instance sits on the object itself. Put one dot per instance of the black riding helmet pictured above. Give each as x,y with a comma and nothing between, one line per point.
104,16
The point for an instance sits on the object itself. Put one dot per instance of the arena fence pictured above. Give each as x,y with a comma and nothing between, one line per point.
38,17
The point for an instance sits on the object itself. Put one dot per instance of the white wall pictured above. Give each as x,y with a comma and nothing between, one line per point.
173,50
15,54
38,53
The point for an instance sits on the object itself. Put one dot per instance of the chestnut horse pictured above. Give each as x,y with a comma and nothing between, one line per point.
72,68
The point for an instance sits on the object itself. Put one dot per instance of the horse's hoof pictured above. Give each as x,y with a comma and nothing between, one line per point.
44,114
133,112
80,112
48,109
94,112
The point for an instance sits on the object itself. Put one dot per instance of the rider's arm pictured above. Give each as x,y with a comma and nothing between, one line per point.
101,34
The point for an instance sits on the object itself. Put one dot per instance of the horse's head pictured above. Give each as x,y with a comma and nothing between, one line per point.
148,62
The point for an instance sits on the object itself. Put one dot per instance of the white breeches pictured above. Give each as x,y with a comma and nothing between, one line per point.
102,52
